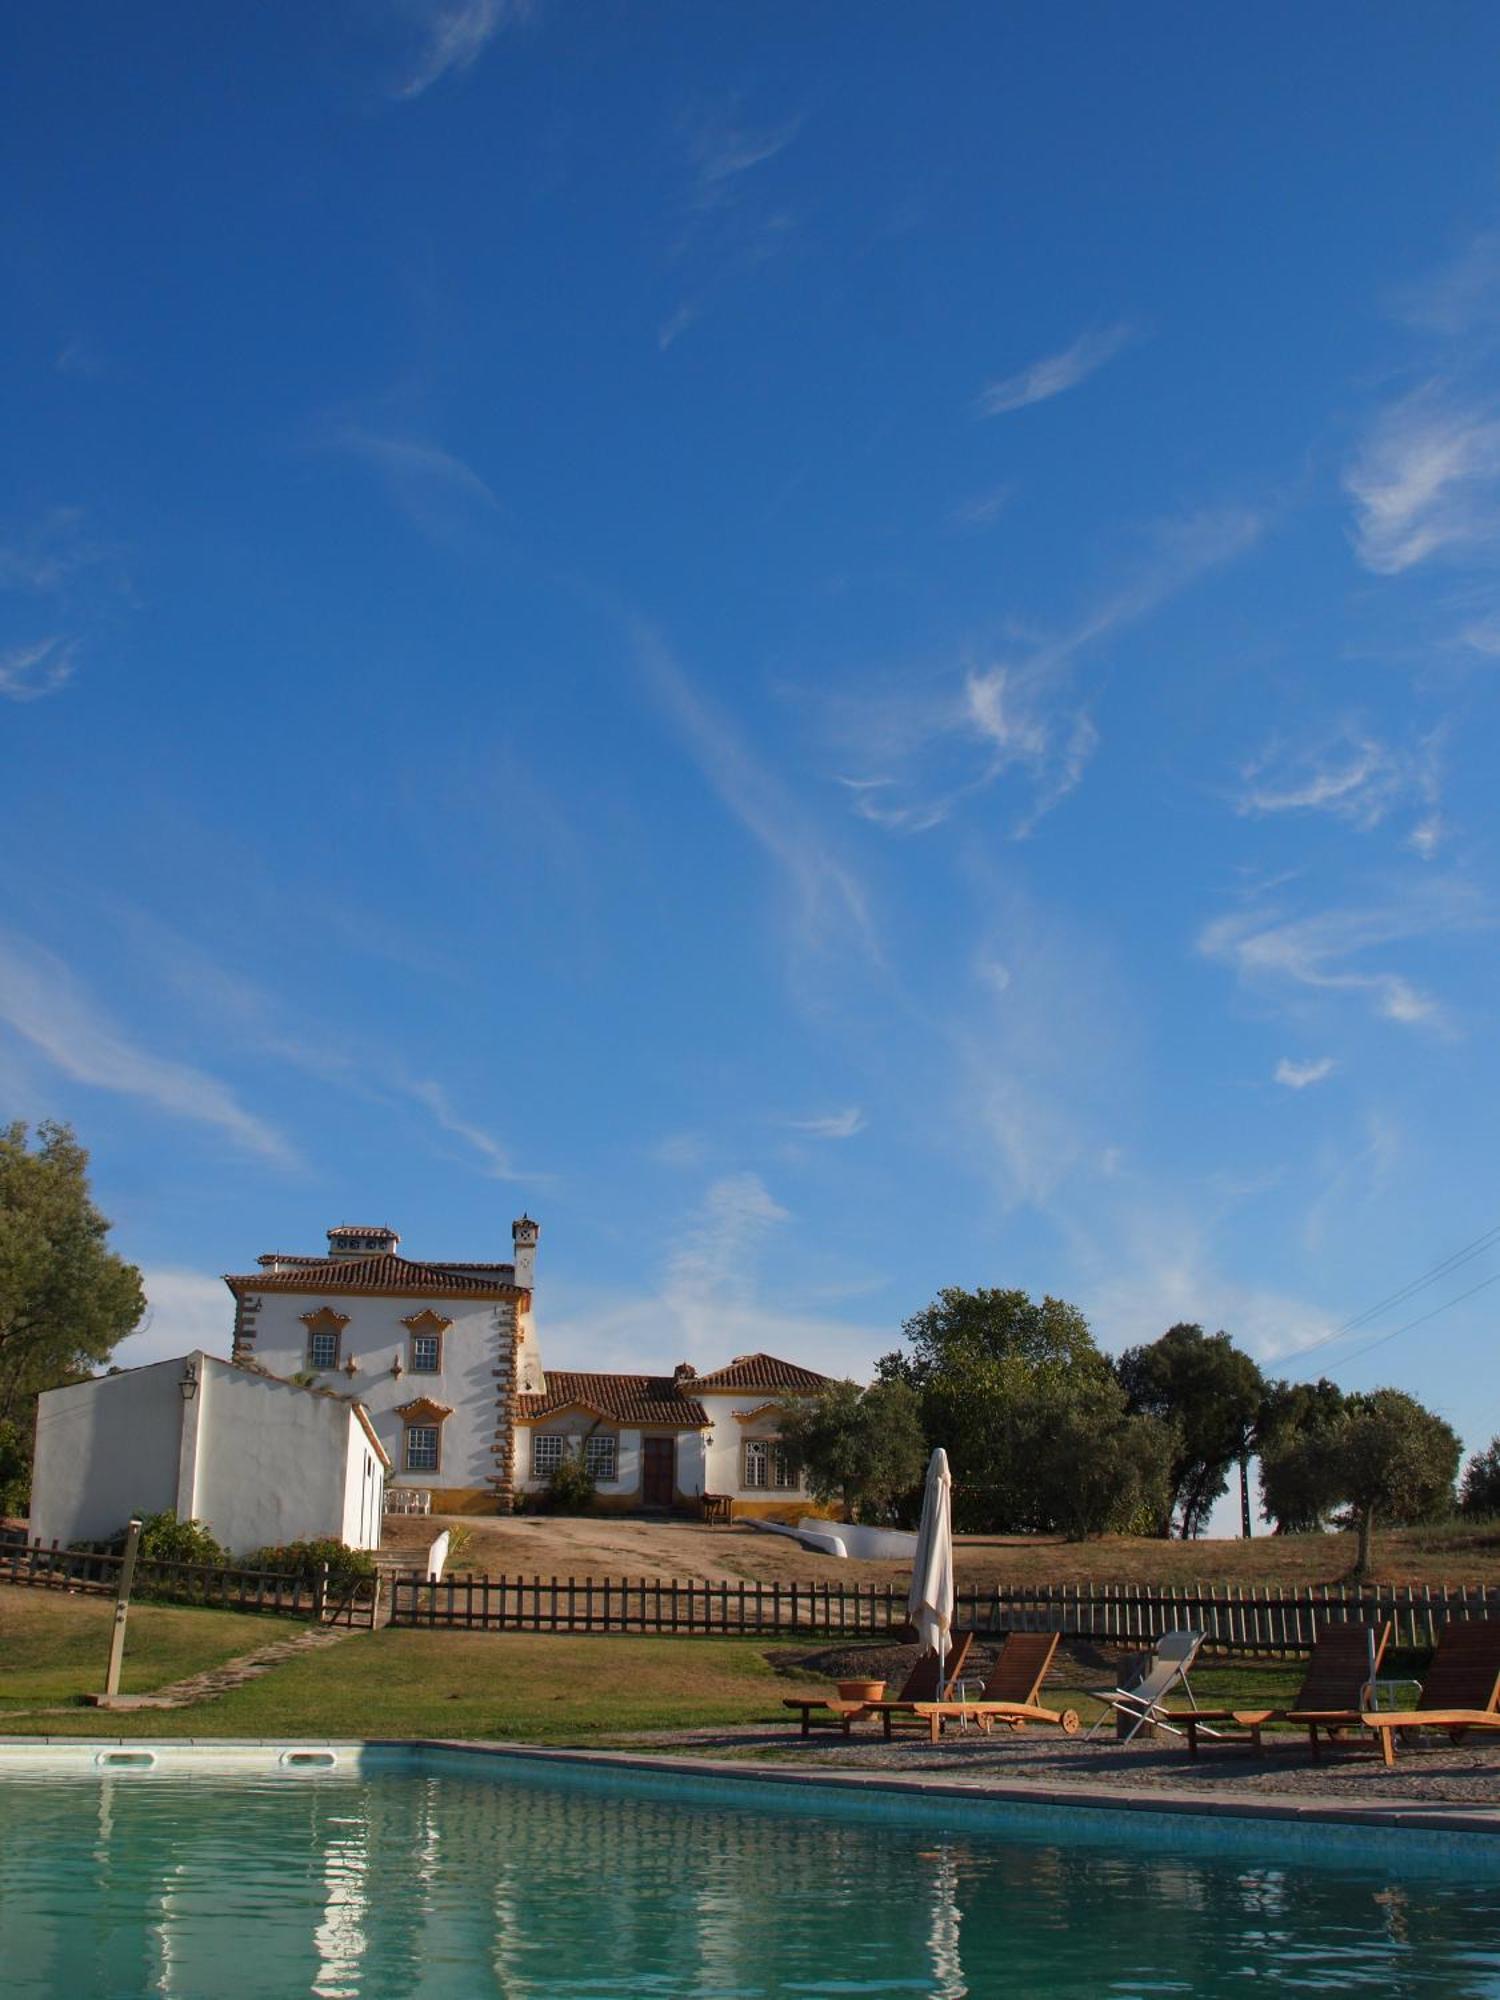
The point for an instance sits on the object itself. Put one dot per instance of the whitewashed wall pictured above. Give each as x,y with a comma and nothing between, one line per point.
273,1462
374,1337
259,1462
724,1466
106,1450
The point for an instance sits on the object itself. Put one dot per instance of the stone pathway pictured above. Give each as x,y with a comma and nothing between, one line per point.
209,1685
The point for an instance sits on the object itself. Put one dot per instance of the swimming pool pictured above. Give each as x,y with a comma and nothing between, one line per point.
426,1872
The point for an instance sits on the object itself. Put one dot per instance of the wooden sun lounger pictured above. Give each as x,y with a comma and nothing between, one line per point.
1009,1696
931,1679
1333,1696
1461,1691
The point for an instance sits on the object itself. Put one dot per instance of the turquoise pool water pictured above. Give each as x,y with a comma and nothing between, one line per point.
527,1882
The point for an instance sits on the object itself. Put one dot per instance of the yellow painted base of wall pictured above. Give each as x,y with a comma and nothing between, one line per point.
466,1500
788,1512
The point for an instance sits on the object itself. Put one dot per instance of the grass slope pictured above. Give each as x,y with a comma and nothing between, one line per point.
520,1687
54,1648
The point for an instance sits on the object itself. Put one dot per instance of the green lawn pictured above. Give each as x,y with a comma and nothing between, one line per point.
54,1647
526,1687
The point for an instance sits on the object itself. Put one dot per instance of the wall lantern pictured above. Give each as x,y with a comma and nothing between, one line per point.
188,1382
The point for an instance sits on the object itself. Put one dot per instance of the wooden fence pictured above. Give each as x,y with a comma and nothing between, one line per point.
351,1602
1244,1619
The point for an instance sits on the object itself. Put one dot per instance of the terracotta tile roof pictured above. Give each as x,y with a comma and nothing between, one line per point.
624,1399
762,1371
398,1277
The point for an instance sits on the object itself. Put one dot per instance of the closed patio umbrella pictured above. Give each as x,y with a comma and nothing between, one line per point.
929,1607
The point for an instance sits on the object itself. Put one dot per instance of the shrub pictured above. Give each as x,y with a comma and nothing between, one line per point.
166,1539
306,1559
570,1490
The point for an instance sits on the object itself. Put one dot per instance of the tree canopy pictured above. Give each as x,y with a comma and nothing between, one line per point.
1298,1486
1480,1491
66,1299
1211,1393
1027,1408
863,1447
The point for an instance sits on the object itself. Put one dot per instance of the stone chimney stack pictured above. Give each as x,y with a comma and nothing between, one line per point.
523,1235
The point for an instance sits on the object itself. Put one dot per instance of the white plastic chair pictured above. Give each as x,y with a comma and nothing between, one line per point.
1171,1657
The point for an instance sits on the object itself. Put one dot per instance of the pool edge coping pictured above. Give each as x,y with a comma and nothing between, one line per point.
1271,1807
1281,1807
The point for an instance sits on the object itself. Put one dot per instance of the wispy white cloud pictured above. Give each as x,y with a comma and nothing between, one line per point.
1351,776
982,510
1461,296
707,1304
1328,951
414,466
937,740
1300,1075
832,1125
27,673
715,1254
256,1019
1426,480
1054,373
676,324
184,1309
42,1003
724,150
456,34
831,900
501,1165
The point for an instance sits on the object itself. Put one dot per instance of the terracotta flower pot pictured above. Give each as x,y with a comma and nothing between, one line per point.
861,1690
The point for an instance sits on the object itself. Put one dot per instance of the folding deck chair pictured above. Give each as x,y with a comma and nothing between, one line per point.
1171,1658
1008,1696
1461,1692
931,1679
1337,1692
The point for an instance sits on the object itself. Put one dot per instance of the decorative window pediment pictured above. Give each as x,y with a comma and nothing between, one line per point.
424,1411
426,1321
424,1345
760,1410
325,1330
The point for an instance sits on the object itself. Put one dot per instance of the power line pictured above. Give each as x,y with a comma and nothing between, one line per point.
1444,1268
1370,1346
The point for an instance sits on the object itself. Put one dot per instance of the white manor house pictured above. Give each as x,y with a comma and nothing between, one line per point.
444,1358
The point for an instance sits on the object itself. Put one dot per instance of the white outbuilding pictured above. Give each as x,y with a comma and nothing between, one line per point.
258,1460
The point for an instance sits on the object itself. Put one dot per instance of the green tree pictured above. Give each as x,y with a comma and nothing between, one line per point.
987,1366
1297,1484
863,1447
1480,1491
1211,1392
1393,1460
1096,1469
66,1299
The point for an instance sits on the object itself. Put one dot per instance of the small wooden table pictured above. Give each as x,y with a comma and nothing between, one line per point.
718,1507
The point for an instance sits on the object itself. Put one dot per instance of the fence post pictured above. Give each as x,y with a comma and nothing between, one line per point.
122,1608
320,1593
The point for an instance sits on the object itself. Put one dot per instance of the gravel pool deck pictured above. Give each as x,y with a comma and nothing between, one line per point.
1434,1772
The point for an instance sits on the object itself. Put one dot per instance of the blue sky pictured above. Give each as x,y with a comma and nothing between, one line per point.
842,649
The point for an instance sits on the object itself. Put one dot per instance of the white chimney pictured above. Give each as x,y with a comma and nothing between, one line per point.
523,1235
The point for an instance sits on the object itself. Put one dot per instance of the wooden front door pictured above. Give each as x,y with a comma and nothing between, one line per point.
659,1471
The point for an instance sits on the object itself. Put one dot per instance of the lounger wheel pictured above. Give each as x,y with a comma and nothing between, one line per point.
1068,1722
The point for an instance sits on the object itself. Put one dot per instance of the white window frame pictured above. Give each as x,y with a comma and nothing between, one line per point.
547,1439
321,1333
601,1455
419,1341
409,1454
768,1456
